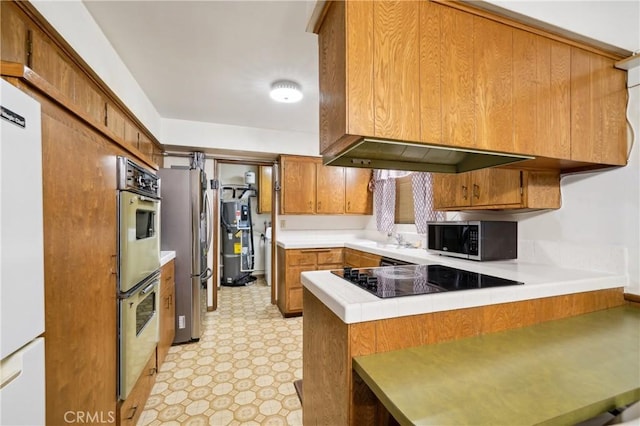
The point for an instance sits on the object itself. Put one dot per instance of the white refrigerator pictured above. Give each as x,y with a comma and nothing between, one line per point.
22,377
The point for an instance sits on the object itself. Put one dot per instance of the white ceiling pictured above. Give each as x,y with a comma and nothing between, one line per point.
214,61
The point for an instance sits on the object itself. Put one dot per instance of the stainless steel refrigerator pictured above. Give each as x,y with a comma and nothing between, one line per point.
185,227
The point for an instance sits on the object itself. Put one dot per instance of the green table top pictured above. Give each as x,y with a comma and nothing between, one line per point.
554,373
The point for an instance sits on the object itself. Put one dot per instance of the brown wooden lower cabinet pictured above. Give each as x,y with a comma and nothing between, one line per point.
291,263
167,308
360,259
333,393
130,409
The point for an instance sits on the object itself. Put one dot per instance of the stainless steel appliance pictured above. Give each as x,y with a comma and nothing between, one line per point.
476,240
408,280
138,223
186,229
22,316
138,331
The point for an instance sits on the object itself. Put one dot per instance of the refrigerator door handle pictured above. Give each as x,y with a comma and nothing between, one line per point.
209,218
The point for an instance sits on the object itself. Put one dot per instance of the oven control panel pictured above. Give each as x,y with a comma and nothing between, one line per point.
134,178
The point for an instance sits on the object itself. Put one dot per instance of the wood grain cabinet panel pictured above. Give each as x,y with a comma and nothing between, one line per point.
132,407
292,263
298,185
497,189
396,68
265,187
598,102
90,100
13,31
358,197
49,63
493,78
445,73
330,189
308,187
457,78
167,309
541,89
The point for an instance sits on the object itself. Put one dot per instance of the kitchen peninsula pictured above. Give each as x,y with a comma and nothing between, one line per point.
343,321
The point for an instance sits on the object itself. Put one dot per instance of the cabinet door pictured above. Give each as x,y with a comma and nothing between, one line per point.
397,69
14,34
493,68
430,108
496,187
132,139
265,187
598,97
167,311
351,258
368,260
541,88
358,198
115,121
456,77
298,185
451,190
49,63
329,189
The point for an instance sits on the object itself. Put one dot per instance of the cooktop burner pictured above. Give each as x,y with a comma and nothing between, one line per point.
407,280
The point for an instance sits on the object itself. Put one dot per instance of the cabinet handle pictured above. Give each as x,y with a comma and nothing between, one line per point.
133,412
168,303
476,191
152,371
348,206
170,299
464,192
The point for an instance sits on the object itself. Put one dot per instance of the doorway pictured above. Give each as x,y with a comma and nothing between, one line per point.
243,216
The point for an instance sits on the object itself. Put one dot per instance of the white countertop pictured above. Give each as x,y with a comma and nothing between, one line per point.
352,304
166,256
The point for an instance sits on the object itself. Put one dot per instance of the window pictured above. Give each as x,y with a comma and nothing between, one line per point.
404,201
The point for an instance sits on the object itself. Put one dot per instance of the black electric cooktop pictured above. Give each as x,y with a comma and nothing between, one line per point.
407,280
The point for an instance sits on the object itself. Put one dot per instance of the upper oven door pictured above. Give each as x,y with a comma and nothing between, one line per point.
139,238
449,238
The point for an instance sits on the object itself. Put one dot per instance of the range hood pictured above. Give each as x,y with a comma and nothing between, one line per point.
394,155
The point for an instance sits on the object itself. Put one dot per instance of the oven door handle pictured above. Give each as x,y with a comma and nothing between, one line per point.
149,288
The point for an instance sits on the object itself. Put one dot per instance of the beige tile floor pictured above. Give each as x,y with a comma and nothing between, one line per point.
241,372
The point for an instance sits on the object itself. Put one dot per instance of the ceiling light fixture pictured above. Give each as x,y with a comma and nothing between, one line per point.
286,91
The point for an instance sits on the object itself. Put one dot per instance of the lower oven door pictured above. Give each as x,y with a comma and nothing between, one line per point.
138,239
138,332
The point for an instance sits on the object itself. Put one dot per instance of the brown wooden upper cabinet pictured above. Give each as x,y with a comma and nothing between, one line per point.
265,188
308,187
429,72
497,189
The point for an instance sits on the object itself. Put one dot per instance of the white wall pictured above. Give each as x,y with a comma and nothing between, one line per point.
226,137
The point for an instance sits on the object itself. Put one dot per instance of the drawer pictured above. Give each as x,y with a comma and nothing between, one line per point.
330,256
168,271
301,257
132,407
329,267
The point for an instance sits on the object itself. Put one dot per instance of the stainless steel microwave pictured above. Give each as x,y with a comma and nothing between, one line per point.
476,240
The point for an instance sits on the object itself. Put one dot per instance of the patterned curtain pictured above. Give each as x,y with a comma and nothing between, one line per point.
384,184
422,184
